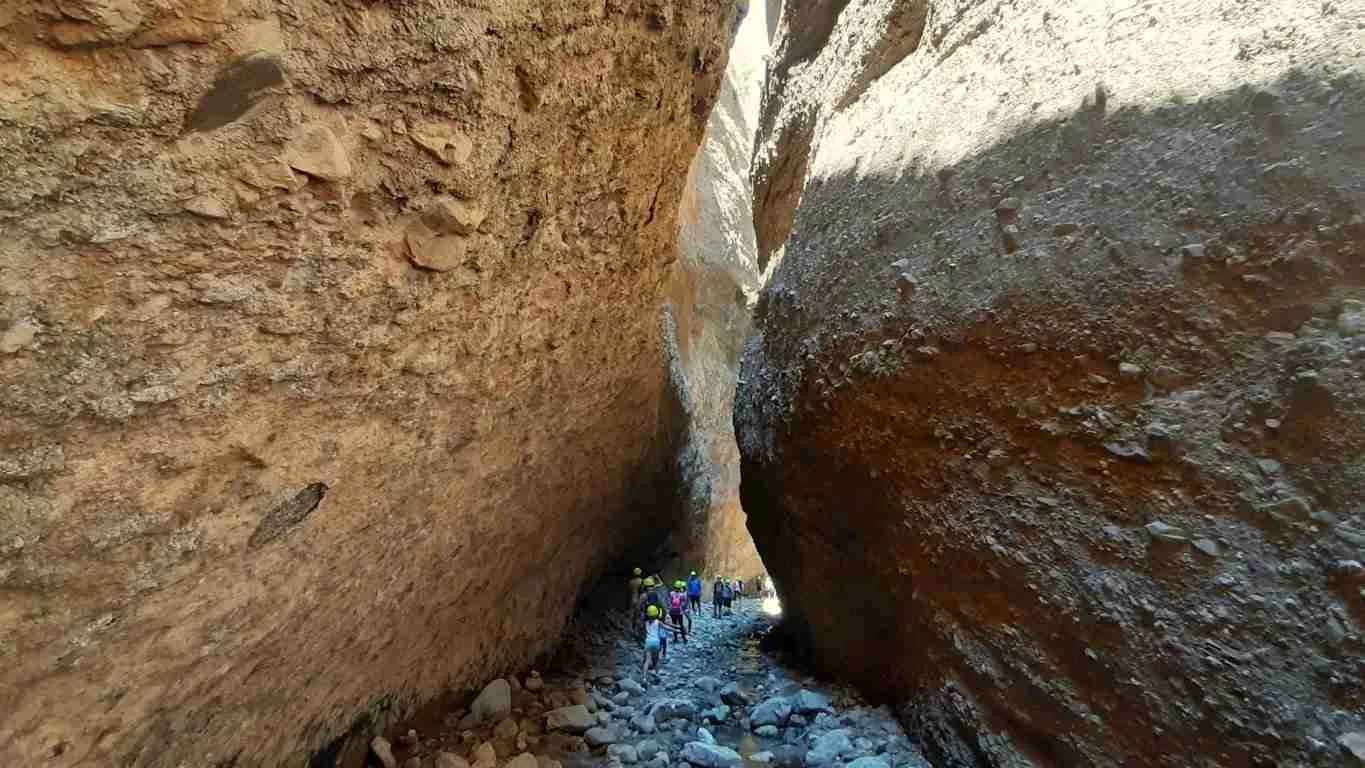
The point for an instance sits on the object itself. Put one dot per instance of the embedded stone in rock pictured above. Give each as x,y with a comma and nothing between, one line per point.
774,711
571,719
445,142
440,253
709,755
452,216
316,151
207,206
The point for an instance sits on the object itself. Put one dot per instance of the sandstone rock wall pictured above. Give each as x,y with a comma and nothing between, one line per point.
711,290
1052,418
329,352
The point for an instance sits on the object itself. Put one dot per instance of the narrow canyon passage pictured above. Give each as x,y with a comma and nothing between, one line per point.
351,351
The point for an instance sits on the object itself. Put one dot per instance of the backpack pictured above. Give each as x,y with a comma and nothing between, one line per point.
675,602
725,591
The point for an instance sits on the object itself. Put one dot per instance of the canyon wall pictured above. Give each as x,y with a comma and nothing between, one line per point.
711,290
1052,419
329,350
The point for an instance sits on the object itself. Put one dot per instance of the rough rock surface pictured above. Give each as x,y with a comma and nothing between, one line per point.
329,352
711,290
1052,419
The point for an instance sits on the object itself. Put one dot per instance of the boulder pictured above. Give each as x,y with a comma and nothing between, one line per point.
810,703
600,736
494,702
773,711
830,748
669,709
733,695
383,752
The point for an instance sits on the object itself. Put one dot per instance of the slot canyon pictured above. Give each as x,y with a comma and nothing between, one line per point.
370,369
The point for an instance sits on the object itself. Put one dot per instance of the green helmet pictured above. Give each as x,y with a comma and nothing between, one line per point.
649,581
679,584
638,571
652,611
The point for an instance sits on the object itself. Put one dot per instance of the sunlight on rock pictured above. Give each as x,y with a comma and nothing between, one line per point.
772,606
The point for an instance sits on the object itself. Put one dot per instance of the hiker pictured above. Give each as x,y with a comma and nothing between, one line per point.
654,641
653,597
694,592
727,595
739,589
717,585
634,586
677,606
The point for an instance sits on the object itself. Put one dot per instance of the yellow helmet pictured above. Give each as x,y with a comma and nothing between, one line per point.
652,611
649,581
638,571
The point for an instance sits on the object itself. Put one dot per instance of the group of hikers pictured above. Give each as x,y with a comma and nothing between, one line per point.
664,609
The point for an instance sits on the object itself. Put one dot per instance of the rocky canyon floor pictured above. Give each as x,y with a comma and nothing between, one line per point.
725,698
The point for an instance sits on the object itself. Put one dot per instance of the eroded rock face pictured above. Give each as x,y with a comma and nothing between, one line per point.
330,353
1051,421
711,290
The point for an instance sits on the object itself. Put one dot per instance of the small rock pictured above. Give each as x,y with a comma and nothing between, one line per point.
1272,423
621,697
625,753
1007,205
705,736
810,703
545,762
506,728
485,756
571,719
774,711
383,752
708,684
1192,252
600,736
631,687
767,731
524,760
734,695
868,762
829,748
762,758
1354,743
1207,546
604,718
796,721
1351,323
207,206
449,760
315,150
1268,467
647,749
452,216
1130,370
669,709
710,755
1161,531
409,739
534,683
928,350
494,702
1064,228
643,724
719,714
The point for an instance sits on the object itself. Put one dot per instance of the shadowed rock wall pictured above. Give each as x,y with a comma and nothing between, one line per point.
1051,419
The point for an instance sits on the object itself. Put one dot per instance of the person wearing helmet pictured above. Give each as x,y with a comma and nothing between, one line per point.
654,641
717,600
657,596
677,608
633,589
693,592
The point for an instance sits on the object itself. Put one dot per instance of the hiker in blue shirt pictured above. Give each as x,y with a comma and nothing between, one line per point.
694,592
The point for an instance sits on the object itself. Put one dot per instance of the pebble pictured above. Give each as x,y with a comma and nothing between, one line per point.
1130,370
707,684
600,736
534,683
668,709
1164,532
631,687
604,718
506,728
1207,546
767,731
643,724
623,752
